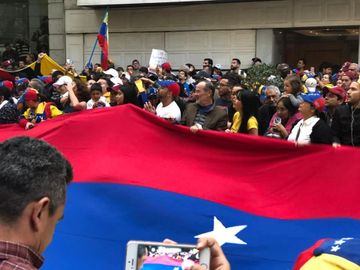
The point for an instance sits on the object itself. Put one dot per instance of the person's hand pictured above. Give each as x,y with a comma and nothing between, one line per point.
147,80
170,120
278,127
195,128
70,86
336,145
99,104
218,260
149,107
29,125
40,57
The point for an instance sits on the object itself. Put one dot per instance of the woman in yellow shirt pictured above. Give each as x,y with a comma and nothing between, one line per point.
246,104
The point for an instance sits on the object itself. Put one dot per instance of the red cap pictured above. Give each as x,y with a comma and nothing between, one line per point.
319,104
6,63
174,88
337,90
352,75
31,94
8,84
166,66
116,88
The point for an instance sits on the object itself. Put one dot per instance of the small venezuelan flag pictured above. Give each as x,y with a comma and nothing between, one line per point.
103,38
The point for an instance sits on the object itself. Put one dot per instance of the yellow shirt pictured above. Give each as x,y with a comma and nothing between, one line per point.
40,113
236,123
107,96
252,123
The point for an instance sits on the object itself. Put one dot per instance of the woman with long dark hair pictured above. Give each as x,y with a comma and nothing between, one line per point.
245,119
283,120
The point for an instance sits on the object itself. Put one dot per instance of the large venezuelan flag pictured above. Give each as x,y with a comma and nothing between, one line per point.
139,177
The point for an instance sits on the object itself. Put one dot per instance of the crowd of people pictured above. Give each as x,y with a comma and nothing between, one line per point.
309,106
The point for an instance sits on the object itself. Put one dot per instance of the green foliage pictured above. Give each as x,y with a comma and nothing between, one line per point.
262,74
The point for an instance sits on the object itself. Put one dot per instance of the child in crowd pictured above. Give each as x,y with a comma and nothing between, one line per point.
293,88
97,100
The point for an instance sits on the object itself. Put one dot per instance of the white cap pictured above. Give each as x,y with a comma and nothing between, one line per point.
112,72
116,80
218,66
311,84
126,75
63,80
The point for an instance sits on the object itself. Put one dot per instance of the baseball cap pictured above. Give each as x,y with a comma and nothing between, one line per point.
311,84
8,84
334,254
166,66
112,72
63,80
316,99
31,94
337,90
171,85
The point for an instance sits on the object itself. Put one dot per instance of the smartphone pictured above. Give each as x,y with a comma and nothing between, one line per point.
142,255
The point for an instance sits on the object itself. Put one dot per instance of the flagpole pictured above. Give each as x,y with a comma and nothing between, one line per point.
92,53
95,43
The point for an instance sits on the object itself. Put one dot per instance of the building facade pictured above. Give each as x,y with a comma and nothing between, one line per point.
275,31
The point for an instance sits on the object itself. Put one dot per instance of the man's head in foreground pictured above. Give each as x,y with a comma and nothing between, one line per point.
33,181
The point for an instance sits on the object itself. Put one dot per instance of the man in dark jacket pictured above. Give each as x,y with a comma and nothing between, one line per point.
346,120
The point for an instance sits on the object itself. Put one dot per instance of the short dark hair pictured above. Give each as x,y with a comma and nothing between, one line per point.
303,60
211,62
234,79
5,92
29,170
96,87
237,60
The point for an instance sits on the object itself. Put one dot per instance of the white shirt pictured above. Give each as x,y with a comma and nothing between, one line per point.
3,103
90,103
170,111
302,130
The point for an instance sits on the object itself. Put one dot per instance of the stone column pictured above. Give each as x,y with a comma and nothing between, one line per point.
265,45
57,30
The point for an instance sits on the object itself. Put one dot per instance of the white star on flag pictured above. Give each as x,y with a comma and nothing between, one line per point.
339,242
335,248
224,235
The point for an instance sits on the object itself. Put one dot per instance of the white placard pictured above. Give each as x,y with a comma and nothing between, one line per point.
158,57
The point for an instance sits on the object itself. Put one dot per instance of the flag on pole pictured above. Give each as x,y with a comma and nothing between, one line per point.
103,38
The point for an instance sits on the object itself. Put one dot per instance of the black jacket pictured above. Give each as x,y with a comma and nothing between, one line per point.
346,125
